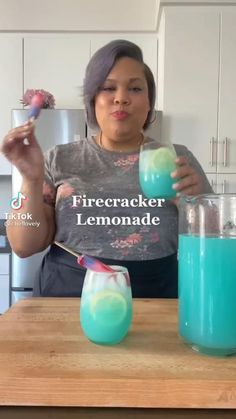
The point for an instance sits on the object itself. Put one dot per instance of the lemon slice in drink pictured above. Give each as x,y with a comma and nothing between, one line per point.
163,159
108,308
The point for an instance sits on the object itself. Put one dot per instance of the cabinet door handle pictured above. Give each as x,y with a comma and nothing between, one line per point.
212,142
213,184
224,186
225,144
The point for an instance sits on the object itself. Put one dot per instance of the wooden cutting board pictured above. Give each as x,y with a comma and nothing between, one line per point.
45,360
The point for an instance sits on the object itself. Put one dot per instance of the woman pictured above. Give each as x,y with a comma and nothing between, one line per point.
88,186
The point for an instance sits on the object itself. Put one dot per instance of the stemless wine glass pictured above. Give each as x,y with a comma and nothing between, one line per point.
156,162
106,305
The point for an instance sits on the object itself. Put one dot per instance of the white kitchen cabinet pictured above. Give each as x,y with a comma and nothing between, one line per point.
4,282
147,42
198,59
57,64
190,60
226,183
11,87
222,182
227,95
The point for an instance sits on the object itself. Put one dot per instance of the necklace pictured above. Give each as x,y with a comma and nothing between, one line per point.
141,141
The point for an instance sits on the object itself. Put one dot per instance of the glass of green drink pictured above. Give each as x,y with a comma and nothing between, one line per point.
156,162
106,306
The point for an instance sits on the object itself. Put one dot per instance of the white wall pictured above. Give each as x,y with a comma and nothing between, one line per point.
78,15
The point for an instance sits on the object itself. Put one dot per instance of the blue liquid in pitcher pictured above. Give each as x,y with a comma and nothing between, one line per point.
207,293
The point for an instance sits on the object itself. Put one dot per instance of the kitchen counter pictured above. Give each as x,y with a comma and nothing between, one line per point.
48,365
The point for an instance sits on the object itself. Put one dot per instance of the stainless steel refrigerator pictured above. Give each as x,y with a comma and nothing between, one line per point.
54,126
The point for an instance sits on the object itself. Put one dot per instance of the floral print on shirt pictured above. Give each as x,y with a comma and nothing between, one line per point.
126,244
126,161
129,241
65,190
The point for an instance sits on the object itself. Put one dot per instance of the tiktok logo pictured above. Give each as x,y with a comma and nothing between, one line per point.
17,202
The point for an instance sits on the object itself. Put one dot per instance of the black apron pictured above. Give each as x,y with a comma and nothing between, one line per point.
61,276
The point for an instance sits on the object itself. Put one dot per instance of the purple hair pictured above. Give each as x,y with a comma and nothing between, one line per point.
100,66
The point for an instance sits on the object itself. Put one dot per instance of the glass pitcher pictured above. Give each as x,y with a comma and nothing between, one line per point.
207,273
106,305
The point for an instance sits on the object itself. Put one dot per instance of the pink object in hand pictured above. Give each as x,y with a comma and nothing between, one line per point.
36,105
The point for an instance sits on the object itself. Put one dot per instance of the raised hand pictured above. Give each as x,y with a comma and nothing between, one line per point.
21,148
188,181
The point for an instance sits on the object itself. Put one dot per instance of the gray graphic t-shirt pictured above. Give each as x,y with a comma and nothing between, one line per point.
100,208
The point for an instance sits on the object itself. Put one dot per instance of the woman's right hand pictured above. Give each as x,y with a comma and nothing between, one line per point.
21,148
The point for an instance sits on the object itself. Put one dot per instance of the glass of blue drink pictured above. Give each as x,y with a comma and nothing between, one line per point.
156,162
106,306
207,273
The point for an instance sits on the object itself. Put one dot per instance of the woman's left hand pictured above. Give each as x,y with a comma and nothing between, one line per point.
189,182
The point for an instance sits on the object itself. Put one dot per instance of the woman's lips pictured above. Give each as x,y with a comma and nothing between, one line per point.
120,115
